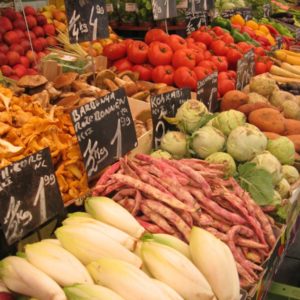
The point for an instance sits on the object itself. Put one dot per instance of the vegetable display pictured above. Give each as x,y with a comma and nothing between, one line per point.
171,196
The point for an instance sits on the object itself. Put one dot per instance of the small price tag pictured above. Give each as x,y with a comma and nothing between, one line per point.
166,105
164,9
87,20
207,91
228,13
109,7
195,21
267,10
29,195
130,7
245,70
105,131
279,42
197,6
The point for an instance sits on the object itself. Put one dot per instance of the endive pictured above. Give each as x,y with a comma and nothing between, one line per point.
125,279
89,244
90,292
21,277
110,212
57,263
170,293
116,234
215,260
176,270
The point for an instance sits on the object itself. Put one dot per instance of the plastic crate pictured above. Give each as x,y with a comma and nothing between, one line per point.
279,291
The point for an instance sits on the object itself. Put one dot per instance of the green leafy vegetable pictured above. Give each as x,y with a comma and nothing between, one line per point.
257,182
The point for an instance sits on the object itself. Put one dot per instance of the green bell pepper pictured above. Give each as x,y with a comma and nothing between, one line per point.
237,36
224,23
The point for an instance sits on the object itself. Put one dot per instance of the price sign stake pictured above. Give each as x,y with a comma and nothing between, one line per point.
164,9
105,131
166,105
207,91
87,20
245,70
29,195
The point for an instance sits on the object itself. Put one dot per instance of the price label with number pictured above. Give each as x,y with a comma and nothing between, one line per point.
87,20
195,21
267,10
166,105
207,91
164,9
105,131
29,195
245,70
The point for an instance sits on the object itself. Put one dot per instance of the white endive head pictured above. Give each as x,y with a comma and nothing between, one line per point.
57,263
110,212
23,278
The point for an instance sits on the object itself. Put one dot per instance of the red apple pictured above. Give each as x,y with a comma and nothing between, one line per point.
49,29
38,31
13,58
31,21
18,48
20,70
6,70
38,45
3,48
3,59
20,24
31,72
31,55
29,10
5,24
25,45
9,13
51,41
20,33
25,61
11,37
41,20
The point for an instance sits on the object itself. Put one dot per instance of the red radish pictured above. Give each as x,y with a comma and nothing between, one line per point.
31,72
49,29
20,33
31,21
20,70
25,61
3,59
3,48
20,24
41,20
38,45
25,44
9,13
18,48
38,31
51,41
11,37
5,24
6,70
13,58
29,10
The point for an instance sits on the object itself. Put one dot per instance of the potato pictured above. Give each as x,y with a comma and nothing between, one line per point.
233,99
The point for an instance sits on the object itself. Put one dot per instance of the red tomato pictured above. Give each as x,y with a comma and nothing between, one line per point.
185,77
160,54
127,42
236,26
123,64
202,37
231,74
225,86
207,64
244,47
223,76
207,54
227,38
269,64
155,35
137,52
260,68
233,56
218,30
189,41
163,74
220,62
176,42
201,72
199,55
248,30
199,45
184,58
260,51
115,51
145,71
219,47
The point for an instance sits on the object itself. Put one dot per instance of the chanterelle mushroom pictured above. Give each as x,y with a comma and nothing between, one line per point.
129,75
32,81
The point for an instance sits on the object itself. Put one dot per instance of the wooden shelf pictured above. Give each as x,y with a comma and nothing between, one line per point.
139,28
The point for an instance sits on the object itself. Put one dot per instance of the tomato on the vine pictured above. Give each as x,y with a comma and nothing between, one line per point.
115,51
219,47
207,55
160,54
199,54
209,65
203,37
123,64
201,72
220,62
137,52
233,56
184,58
223,76
185,77
218,30
163,74
155,34
176,42
225,86
231,74
227,38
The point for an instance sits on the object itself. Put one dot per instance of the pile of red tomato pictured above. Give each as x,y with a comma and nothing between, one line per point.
174,60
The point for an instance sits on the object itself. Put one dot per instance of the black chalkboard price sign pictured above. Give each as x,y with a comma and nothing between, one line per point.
87,20
29,195
195,21
164,9
166,105
105,131
245,70
207,91
267,8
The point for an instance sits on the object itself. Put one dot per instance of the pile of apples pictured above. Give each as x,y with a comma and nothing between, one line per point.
17,57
